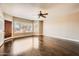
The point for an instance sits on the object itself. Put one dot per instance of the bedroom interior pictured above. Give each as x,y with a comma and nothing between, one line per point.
39,29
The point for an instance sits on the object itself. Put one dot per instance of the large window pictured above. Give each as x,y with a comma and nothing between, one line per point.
22,27
28,28
17,27
1,31
1,26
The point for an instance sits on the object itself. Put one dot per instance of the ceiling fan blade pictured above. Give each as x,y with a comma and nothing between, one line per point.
43,16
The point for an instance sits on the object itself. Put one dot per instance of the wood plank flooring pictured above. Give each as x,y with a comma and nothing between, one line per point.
40,46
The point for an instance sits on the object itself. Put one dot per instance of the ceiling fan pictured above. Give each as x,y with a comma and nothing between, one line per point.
42,15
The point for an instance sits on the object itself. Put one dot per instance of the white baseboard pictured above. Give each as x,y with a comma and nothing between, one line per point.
63,38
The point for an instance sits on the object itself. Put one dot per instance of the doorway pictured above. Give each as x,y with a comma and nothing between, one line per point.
7,28
38,27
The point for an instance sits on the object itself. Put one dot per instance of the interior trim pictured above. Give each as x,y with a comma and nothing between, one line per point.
63,38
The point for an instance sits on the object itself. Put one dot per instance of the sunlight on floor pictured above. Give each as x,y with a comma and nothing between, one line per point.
22,45
36,43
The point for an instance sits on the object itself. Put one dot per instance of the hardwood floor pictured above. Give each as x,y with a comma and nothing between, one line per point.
40,46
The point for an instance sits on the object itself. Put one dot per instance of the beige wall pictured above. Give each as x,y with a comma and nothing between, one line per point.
8,17
62,22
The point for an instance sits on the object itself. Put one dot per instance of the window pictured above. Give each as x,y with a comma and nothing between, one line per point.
22,27
29,28
1,26
17,27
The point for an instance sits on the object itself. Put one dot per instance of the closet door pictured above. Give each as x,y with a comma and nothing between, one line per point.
40,27
1,31
8,28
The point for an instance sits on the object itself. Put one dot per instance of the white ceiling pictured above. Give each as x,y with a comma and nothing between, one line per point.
28,11
31,10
